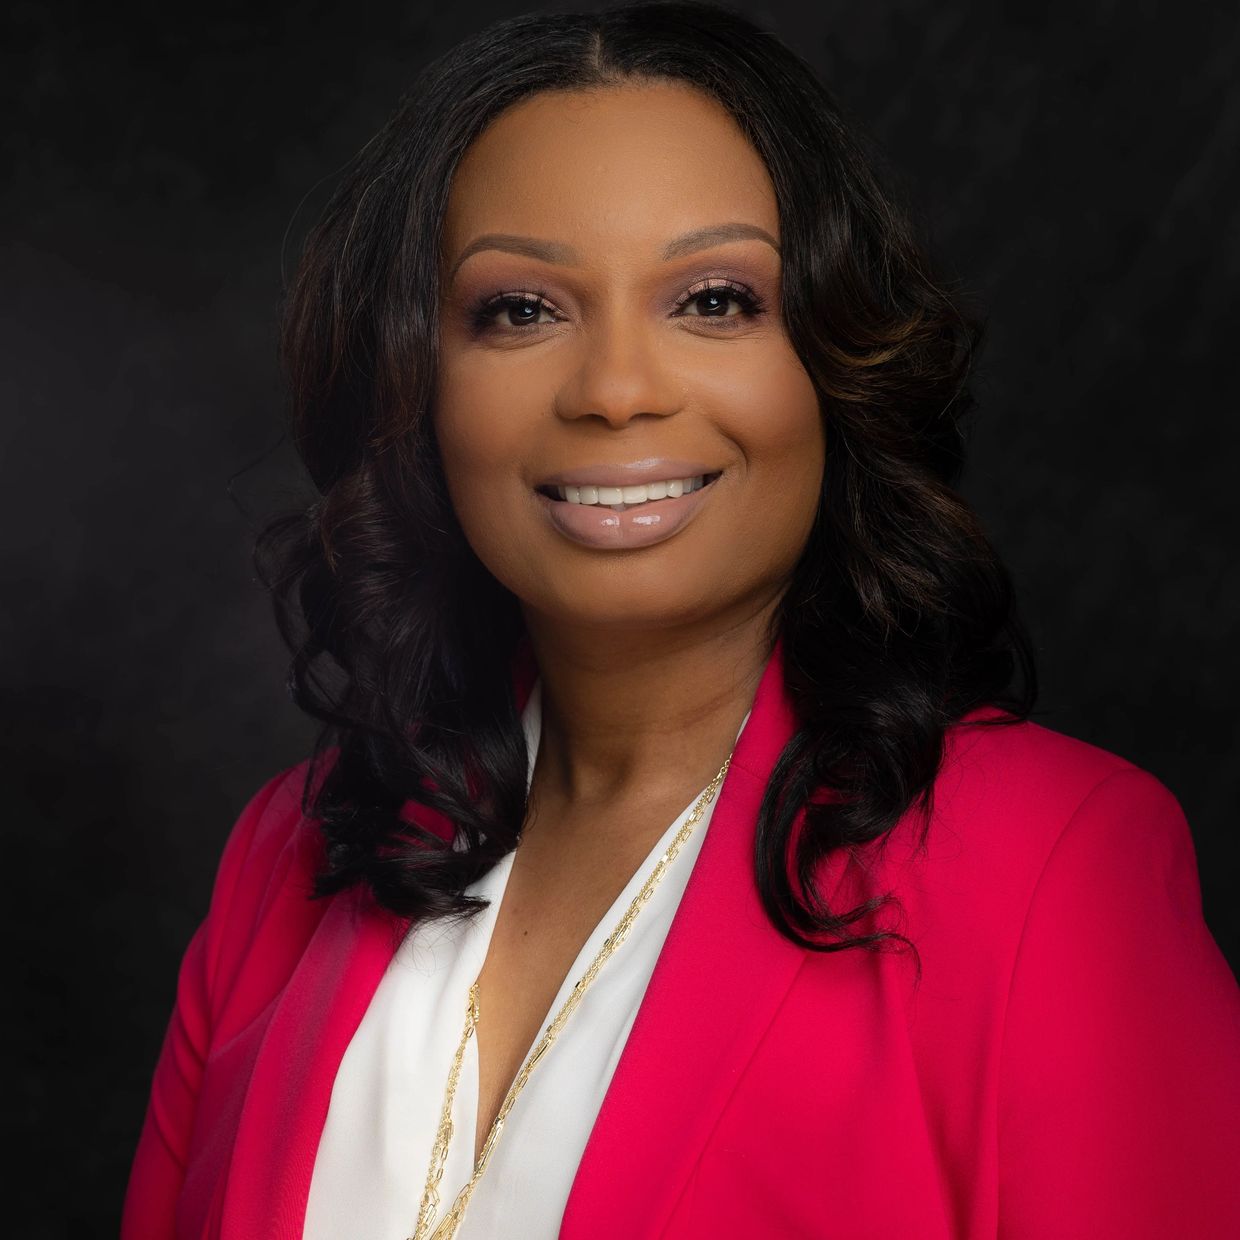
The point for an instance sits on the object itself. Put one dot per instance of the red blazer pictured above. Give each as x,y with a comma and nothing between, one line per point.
1067,1068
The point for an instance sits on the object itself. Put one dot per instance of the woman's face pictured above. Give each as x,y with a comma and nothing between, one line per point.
624,349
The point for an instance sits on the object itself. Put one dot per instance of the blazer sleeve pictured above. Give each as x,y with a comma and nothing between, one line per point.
159,1163
1119,1085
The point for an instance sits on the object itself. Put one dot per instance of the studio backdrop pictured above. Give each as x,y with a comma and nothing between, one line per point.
1075,168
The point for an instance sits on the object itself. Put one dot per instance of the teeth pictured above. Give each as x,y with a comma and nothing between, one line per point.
625,497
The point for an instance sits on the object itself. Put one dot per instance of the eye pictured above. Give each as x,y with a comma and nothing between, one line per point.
714,298
523,309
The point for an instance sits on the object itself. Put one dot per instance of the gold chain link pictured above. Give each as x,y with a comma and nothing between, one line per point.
447,1228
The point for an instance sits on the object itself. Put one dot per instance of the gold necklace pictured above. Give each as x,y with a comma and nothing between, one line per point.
439,1153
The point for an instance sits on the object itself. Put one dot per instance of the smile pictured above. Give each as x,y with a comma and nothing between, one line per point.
620,498
625,518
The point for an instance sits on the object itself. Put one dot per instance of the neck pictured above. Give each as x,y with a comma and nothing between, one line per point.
632,717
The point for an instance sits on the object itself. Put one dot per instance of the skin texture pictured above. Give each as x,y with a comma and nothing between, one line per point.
649,657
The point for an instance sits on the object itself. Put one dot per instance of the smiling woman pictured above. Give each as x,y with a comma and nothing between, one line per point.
629,333
668,658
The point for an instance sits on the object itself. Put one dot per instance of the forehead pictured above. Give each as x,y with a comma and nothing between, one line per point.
619,168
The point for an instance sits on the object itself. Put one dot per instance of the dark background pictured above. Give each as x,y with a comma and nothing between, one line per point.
1077,169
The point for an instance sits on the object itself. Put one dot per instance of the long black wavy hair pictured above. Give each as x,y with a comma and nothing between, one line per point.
899,618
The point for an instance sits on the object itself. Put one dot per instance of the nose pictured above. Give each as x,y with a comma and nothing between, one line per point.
622,375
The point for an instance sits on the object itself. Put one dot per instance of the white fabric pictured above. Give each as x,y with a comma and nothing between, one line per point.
376,1144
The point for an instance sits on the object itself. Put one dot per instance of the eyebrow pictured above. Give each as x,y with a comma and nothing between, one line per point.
564,255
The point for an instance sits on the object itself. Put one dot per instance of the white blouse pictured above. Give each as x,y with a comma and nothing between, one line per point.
376,1143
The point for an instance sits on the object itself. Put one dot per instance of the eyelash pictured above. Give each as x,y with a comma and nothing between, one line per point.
484,311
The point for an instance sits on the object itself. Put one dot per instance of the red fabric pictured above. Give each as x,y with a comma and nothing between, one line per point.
1067,1067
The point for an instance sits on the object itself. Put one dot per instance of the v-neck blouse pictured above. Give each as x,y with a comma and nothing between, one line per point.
375,1147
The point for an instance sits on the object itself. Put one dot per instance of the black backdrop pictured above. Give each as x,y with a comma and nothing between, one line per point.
1078,170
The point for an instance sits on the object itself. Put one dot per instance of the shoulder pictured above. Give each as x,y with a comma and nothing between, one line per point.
270,824
989,754
1023,782
1017,806
272,849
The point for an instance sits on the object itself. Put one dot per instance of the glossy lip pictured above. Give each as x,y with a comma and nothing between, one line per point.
652,469
599,527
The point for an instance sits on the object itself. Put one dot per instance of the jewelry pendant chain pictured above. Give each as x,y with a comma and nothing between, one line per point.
447,1228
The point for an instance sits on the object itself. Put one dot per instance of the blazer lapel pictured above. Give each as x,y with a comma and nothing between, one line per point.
716,986
290,1089
310,1027
718,981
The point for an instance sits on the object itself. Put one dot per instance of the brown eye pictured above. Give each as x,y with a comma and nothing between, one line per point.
522,310
712,302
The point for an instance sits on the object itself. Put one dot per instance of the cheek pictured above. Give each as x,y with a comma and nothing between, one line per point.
471,452
484,435
778,426
476,439
797,447
480,430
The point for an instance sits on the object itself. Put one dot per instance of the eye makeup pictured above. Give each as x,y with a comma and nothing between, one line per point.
483,312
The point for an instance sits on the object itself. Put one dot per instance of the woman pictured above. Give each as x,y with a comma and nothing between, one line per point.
683,860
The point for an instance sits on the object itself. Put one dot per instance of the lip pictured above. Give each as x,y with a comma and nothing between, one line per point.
652,469
597,526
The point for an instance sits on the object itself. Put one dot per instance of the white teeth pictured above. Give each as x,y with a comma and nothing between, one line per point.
624,497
